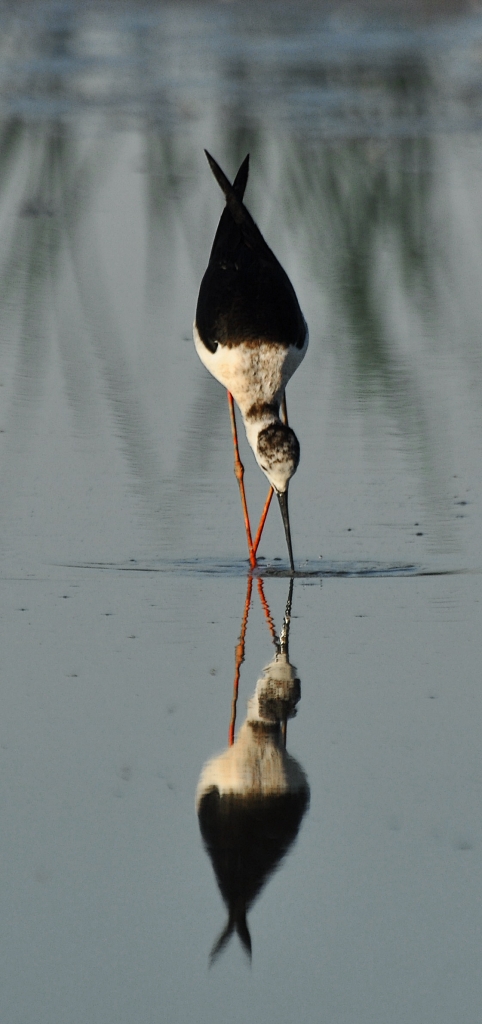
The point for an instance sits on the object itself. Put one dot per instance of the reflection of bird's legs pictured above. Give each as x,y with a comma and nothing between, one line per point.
285,629
239,474
264,514
239,658
266,609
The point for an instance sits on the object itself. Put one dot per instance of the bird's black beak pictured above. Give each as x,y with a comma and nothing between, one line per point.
283,504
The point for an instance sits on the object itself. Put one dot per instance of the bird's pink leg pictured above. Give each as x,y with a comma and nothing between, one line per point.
262,521
264,514
239,474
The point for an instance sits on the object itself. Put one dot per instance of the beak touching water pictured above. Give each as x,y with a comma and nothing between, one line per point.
283,504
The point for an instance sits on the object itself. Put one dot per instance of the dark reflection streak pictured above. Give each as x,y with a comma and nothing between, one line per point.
72,180
241,128
33,256
173,181
11,139
251,799
120,385
160,159
170,177
196,452
33,243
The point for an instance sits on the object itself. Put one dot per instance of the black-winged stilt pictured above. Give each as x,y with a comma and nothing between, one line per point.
251,335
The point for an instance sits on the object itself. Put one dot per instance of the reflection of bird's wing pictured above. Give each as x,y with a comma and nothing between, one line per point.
245,294
246,840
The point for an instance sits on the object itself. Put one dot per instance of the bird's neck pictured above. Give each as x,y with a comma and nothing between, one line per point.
257,419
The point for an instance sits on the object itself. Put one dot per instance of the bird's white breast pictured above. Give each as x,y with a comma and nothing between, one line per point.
253,373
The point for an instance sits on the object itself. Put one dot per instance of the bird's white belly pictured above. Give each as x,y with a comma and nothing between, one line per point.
252,373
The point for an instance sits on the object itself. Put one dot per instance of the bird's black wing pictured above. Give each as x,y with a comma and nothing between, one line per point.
245,294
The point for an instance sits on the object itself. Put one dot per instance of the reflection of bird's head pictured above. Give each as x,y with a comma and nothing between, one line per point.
277,692
278,454
257,762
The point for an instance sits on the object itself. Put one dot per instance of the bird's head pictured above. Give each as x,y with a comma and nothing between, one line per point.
278,454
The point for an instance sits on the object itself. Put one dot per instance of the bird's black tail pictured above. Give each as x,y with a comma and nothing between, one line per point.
234,202
241,179
236,923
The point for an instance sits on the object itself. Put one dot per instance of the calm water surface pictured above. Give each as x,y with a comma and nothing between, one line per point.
132,830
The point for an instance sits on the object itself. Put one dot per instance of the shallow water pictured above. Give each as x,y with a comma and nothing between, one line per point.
124,581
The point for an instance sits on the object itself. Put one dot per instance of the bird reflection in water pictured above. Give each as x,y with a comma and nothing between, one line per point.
251,799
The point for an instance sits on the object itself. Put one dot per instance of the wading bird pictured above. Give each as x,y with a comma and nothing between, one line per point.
251,335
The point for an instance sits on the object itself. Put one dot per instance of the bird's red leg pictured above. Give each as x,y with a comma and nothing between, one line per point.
264,514
238,660
239,474
262,521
